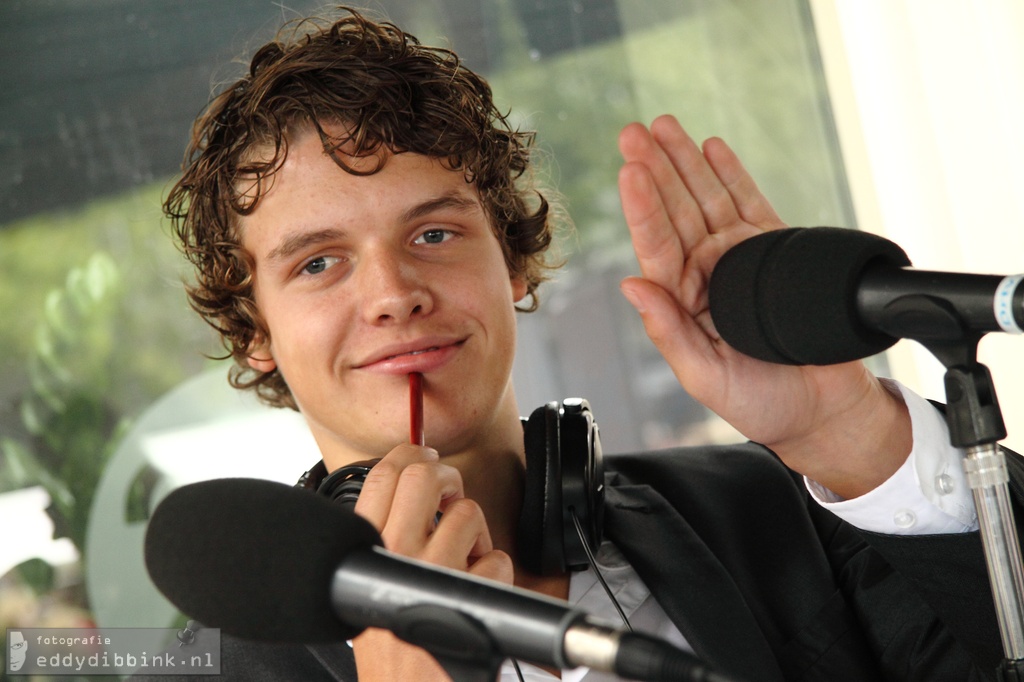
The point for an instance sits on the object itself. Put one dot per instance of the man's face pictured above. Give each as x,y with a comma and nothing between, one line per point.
364,279
19,648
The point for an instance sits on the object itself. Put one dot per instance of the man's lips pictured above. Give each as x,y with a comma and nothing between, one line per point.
420,356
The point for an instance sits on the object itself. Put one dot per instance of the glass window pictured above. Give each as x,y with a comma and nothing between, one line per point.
109,397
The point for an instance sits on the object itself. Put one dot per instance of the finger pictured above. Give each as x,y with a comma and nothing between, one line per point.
752,206
419,494
461,536
659,248
682,213
378,491
495,565
685,345
716,204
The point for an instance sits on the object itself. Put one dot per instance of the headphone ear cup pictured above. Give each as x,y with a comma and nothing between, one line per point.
582,473
344,485
539,540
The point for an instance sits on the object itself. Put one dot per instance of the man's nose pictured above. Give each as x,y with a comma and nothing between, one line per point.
394,288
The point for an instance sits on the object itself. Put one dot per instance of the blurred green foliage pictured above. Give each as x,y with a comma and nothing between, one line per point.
150,328
70,424
96,327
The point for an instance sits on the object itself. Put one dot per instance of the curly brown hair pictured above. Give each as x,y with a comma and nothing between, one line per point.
392,95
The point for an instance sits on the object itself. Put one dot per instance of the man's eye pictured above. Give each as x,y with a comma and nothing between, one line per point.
433,237
318,265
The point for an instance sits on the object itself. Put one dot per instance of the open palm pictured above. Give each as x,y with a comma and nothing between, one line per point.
685,207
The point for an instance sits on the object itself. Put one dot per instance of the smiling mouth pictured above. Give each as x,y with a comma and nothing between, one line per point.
417,356
414,352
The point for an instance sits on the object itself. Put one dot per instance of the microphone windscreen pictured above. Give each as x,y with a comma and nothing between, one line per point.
790,296
254,557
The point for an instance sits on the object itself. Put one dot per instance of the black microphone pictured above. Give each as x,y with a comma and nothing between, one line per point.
825,295
265,561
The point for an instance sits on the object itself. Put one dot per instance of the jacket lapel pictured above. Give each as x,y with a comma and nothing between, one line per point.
336,658
689,582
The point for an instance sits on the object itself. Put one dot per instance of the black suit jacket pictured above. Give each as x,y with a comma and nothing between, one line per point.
764,583
767,585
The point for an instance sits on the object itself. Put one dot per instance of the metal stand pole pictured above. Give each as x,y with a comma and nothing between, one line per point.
976,424
986,473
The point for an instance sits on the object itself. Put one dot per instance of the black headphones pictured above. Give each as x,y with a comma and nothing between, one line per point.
341,486
563,501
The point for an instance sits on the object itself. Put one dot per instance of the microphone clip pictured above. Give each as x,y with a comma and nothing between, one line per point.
459,642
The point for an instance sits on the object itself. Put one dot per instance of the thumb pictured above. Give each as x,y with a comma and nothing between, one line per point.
674,333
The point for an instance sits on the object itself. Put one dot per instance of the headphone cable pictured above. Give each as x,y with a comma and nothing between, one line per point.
597,571
600,579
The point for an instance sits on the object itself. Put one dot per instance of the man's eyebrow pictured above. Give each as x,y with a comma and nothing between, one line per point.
450,200
301,240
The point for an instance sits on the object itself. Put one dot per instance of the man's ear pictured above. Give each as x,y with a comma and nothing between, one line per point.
259,357
519,289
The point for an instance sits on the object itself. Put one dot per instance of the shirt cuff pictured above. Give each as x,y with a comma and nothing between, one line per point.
928,495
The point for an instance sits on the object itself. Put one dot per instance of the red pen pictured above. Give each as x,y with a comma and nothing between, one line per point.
416,436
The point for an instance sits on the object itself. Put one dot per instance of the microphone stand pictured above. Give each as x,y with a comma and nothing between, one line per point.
976,424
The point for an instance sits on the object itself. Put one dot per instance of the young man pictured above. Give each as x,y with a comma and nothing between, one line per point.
358,210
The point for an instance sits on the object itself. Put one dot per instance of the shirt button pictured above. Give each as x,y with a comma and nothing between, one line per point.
944,484
904,518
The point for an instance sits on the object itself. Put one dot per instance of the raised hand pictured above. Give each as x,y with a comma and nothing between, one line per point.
686,206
